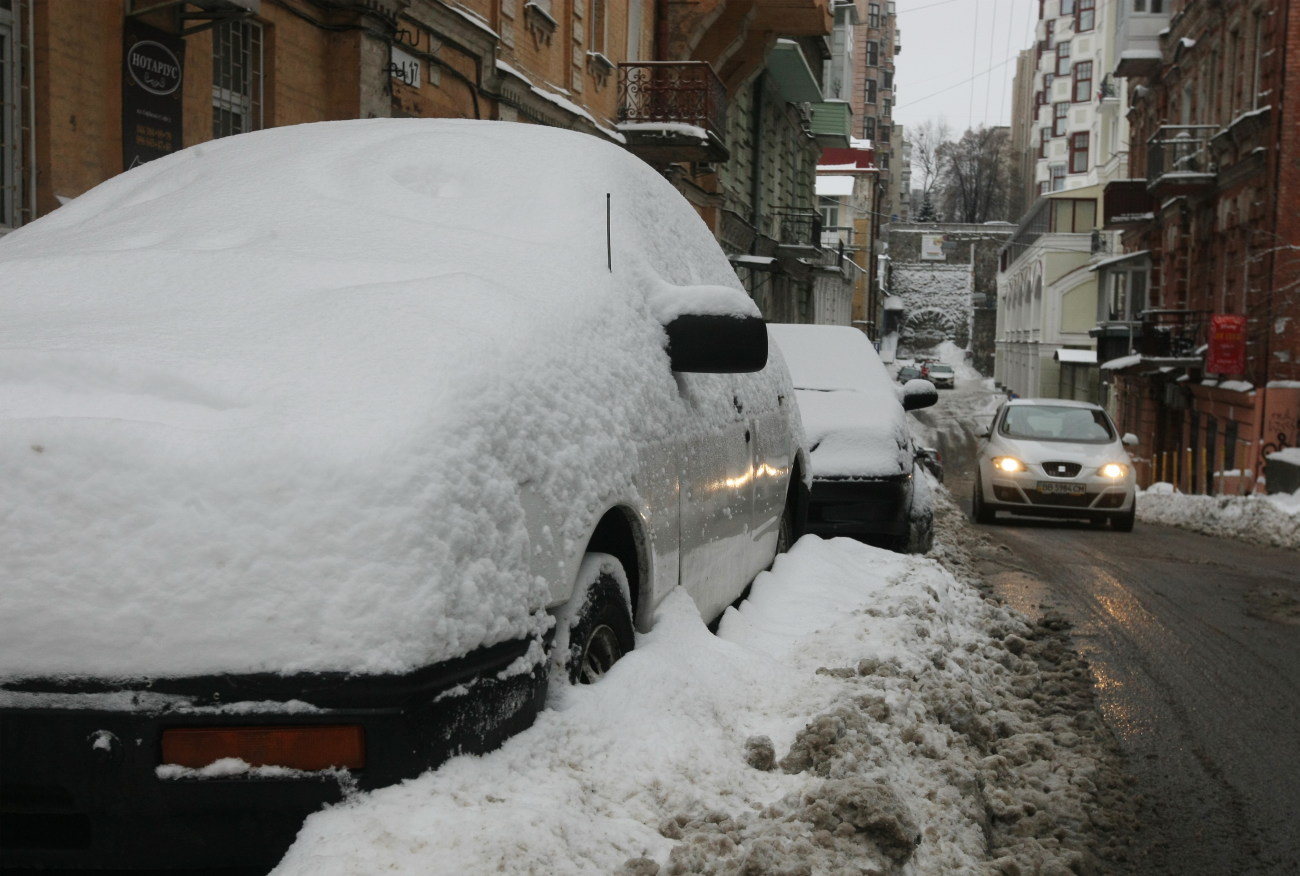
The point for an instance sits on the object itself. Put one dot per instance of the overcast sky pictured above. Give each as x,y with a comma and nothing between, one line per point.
958,60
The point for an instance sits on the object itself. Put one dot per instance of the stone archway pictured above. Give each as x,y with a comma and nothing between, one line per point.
927,328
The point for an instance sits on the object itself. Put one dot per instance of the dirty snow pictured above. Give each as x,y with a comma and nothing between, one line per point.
861,712
1272,520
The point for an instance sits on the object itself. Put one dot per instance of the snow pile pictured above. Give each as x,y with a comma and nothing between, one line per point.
862,711
1272,520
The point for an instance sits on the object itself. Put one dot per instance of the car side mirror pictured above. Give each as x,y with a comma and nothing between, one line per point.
705,343
1131,440
918,393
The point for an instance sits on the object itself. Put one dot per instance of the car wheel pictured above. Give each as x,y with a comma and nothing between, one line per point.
920,534
979,510
1123,522
592,637
785,530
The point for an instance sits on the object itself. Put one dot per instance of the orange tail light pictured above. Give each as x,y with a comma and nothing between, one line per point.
299,748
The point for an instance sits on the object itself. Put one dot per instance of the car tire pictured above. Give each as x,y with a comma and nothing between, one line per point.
1123,522
592,636
785,536
920,534
980,511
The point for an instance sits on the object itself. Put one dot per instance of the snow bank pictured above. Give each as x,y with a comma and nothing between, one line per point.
863,711
1263,519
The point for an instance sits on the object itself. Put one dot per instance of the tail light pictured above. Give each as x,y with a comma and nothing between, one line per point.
300,748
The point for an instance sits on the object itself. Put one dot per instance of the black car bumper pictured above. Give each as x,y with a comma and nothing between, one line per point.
80,787
870,509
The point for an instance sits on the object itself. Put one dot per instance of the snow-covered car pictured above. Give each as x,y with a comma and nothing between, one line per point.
325,447
867,481
1055,458
941,374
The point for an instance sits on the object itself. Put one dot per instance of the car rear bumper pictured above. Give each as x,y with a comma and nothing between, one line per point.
863,508
81,788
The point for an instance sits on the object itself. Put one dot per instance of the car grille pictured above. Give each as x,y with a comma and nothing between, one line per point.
1060,501
1062,469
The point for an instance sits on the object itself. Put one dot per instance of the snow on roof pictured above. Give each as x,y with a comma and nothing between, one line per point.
831,186
1085,357
262,396
894,302
1121,363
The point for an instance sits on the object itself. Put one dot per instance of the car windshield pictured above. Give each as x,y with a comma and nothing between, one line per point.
941,369
1056,423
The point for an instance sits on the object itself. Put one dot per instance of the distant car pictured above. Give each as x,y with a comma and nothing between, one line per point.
866,479
940,374
326,447
908,372
1055,458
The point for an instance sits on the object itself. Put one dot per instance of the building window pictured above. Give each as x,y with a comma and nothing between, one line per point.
1058,177
869,128
597,43
1079,152
1153,6
634,19
873,54
887,107
1082,82
888,80
236,77
1060,115
873,15
871,91
1044,135
884,132
1085,17
1067,7
8,127
1062,59
883,158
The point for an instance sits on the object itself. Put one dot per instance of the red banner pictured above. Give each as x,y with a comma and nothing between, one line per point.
1227,353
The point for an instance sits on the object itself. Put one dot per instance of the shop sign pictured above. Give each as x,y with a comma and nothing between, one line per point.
932,248
1227,353
153,64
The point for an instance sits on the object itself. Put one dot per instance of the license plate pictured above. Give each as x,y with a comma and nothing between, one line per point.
1060,489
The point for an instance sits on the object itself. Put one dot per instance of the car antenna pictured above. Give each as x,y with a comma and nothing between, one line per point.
609,249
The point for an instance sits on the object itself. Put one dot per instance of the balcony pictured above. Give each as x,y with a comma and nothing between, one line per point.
1126,202
1174,337
1179,161
672,111
1137,42
798,229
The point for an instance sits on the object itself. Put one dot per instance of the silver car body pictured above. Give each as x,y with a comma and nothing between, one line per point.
1062,448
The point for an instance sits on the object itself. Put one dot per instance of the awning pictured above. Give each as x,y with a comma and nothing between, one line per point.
1114,260
1079,357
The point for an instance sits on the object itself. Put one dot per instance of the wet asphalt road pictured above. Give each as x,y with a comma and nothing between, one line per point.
1195,646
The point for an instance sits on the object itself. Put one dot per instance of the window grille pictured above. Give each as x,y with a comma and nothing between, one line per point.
236,77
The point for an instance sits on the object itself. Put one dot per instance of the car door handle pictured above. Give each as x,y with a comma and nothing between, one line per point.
746,436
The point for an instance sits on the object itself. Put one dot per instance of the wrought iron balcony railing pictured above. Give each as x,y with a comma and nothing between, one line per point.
1179,156
798,227
672,92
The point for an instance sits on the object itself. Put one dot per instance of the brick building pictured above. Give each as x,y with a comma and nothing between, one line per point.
1199,318
721,95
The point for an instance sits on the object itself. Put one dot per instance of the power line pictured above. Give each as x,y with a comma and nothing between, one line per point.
958,84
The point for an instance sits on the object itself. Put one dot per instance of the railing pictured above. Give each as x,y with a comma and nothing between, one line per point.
672,92
798,227
1182,152
1173,332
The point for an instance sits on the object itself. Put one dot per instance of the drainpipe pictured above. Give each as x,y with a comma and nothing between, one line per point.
31,108
755,136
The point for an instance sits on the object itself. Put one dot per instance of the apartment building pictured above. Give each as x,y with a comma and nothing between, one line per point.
1199,315
725,97
1077,142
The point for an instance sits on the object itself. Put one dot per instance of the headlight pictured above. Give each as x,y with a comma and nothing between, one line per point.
1008,464
1114,470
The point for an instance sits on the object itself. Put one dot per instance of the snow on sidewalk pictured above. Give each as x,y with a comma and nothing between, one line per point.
862,711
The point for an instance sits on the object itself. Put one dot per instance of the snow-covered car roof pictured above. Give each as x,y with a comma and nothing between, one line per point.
266,403
854,420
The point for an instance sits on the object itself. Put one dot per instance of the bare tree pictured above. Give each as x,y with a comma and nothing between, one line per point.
926,139
973,177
